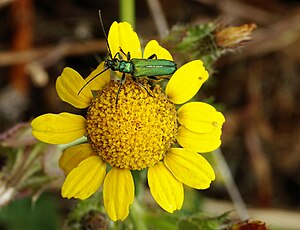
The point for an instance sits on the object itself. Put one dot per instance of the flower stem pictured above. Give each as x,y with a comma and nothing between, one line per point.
25,169
232,189
158,17
127,11
137,215
117,225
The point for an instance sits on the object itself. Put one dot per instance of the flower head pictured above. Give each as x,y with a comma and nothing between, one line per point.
137,133
233,36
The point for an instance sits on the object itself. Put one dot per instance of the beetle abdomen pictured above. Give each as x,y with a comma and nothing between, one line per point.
152,67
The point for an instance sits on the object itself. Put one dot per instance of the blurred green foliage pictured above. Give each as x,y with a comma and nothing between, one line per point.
22,214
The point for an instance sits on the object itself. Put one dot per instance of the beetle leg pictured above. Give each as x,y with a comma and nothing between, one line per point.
153,56
122,51
116,55
119,56
121,83
155,78
141,85
160,77
126,55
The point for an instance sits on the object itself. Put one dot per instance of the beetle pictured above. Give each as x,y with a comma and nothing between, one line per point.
136,67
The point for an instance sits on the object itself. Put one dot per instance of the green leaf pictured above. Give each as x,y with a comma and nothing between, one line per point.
20,214
200,221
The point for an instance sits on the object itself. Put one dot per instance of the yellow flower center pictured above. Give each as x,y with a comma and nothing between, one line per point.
136,133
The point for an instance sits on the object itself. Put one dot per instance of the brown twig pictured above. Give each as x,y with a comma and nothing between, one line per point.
276,37
261,166
65,49
5,2
253,133
158,17
22,18
230,185
238,9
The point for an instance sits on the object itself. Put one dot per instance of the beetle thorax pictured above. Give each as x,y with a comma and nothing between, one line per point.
119,65
125,67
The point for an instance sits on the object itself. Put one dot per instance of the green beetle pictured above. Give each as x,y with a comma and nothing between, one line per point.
137,67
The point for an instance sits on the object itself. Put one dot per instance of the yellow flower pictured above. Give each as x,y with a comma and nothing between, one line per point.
136,134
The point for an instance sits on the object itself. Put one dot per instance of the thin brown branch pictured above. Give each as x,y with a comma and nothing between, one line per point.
242,10
261,166
255,117
22,13
5,2
230,185
276,37
65,49
245,11
158,17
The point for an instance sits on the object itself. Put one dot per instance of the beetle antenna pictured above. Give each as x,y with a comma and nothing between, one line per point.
92,80
102,26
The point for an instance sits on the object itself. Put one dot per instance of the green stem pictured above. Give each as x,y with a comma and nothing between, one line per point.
127,11
137,215
18,161
24,171
36,151
117,225
230,185
80,140
140,185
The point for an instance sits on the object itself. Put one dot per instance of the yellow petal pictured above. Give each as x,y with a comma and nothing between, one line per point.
200,117
68,85
189,167
58,128
84,180
186,82
118,193
121,35
165,188
199,142
99,82
72,156
153,47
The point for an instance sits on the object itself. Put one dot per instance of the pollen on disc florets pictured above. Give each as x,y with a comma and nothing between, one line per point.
135,133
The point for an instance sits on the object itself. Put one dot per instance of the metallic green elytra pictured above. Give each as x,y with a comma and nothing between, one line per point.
136,67
152,67
139,67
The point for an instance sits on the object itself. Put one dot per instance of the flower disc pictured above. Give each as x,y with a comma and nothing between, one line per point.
135,133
